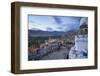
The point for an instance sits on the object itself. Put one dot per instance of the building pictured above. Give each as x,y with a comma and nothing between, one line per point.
80,49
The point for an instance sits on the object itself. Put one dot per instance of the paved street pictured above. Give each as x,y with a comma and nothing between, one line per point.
61,54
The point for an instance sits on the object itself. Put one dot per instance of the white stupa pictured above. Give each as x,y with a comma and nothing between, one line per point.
80,50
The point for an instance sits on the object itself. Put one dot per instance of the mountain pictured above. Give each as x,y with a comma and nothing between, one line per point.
44,33
70,35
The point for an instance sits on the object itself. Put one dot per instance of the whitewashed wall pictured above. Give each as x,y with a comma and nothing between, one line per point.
81,42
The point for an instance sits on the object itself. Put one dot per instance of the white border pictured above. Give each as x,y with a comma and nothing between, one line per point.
25,64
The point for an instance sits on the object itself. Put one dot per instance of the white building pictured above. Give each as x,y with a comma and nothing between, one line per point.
81,42
80,50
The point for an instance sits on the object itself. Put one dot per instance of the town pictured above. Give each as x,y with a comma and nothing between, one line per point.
60,47
70,46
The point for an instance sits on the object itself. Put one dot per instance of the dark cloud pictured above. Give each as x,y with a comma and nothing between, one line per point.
57,20
60,28
49,29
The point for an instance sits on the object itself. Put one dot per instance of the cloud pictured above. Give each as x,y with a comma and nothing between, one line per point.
54,23
49,29
57,19
60,28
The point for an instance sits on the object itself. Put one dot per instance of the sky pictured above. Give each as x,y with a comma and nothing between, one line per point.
53,23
